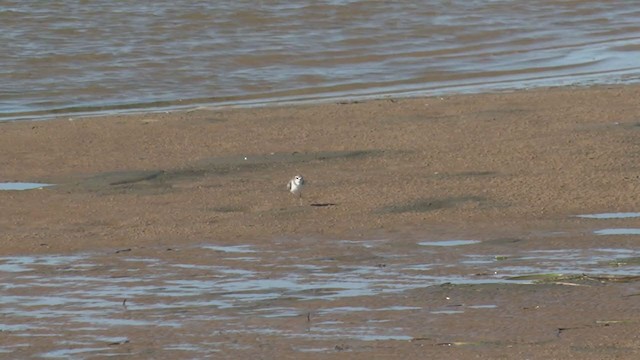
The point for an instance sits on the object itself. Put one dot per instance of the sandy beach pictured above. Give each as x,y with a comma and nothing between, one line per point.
510,170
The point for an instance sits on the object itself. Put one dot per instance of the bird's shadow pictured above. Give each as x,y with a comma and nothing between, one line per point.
323,204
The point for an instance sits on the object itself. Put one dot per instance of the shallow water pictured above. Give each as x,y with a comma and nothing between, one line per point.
618,231
21,186
615,215
448,243
100,300
73,57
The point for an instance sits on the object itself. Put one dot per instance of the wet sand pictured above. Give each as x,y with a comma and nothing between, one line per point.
168,211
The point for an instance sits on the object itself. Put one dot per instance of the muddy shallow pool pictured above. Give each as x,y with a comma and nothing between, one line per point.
198,301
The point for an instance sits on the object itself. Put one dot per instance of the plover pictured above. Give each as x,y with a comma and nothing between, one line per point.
295,185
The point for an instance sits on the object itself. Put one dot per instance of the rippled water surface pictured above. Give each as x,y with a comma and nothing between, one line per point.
74,57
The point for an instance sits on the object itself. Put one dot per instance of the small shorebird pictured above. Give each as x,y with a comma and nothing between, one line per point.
295,185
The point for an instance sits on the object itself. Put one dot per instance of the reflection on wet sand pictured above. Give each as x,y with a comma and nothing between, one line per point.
263,289
21,186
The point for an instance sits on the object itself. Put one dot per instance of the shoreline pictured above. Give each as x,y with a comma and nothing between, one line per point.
291,98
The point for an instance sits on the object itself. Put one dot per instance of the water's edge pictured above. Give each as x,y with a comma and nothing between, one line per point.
301,98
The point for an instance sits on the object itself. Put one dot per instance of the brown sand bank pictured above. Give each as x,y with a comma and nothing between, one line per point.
455,162
508,169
